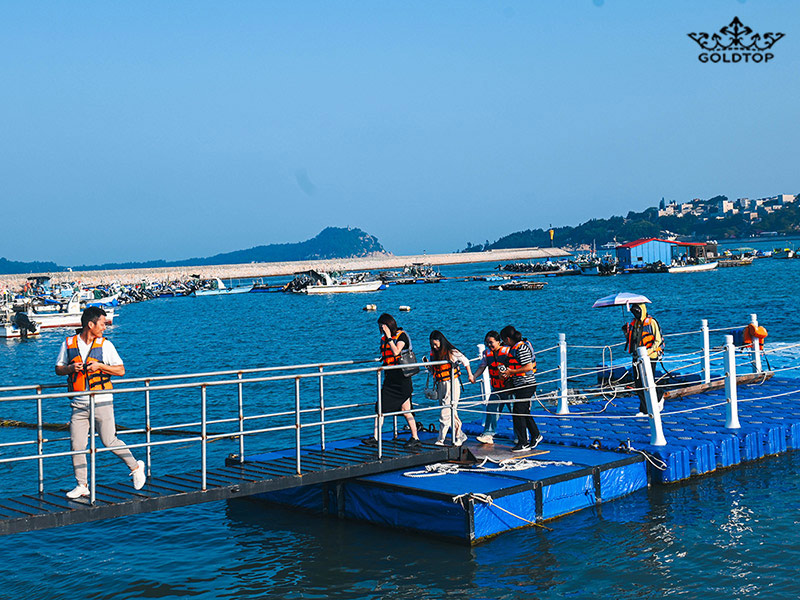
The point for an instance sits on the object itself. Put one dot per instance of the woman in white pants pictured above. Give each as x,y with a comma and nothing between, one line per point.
448,385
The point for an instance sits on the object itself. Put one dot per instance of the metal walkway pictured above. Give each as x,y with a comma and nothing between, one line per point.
42,511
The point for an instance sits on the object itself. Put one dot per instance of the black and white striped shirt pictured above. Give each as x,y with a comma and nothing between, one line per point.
524,356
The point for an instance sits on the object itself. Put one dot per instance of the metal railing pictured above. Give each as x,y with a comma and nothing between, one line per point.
326,415
246,425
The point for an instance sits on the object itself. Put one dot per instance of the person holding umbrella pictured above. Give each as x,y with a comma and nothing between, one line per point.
645,331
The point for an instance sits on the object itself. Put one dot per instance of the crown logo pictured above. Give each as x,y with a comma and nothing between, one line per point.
736,36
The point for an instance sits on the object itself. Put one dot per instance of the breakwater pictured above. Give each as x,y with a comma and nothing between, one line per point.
257,270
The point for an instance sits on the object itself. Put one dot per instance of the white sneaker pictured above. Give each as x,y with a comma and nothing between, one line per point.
461,439
439,442
139,476
536,441
78,492
641,414
661,404
485,439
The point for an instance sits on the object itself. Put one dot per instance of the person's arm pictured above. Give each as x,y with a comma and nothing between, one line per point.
458,357
525,362
395,346
98,367
62,370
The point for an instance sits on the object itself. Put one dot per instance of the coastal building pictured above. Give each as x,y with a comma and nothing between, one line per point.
648,251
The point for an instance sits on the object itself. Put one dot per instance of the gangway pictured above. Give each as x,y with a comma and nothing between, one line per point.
325,462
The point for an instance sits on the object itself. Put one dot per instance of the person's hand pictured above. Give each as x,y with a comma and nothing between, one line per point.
386,332
95,366
471,378
77,367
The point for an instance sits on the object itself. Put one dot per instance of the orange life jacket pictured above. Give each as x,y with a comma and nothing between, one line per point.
514,362
643,333
387,356
77,382
494,360
442,372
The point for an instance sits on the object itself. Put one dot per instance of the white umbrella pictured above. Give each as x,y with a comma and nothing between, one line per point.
621,299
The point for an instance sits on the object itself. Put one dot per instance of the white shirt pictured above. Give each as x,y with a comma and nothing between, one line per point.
110,357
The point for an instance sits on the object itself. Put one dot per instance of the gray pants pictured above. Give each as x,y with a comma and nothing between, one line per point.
104,423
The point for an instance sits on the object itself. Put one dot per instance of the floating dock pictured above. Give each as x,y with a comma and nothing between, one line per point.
694,428
469,503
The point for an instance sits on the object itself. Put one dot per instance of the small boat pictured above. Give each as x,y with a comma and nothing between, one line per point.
693,268
66,314
519,286
735,262
320,282
783,253
215,287
18,326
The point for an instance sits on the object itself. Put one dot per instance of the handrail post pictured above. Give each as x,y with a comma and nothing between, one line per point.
453,403
486,382
563,398
240,393
92,449
322,408
756,346
379,417
297,424
203,436
706,352
732,406
40,437
147,424
646,376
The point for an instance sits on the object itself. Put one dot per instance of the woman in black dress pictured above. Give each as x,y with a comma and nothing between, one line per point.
397,388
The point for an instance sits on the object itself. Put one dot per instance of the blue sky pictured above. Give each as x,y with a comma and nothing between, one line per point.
145,130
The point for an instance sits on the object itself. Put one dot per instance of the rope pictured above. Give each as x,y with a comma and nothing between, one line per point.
487,499
434,470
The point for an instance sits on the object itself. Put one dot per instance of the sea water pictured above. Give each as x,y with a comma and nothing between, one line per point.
727,535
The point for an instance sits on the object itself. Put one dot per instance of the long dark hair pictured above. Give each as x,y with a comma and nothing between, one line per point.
445,347
510,332
388,320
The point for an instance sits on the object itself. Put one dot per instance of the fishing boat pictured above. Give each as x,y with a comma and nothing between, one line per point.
519,286
710,266
320,282
783,253
416,273
63,314
17,325
215,287
735,262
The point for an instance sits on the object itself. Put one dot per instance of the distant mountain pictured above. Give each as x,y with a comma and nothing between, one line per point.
331,242
13,267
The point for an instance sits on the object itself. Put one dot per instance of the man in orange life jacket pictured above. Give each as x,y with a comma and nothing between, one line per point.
89,360
645,331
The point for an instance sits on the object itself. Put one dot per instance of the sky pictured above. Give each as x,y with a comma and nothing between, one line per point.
133,131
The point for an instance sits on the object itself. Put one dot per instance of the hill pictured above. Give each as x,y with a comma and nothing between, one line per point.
331,242
649,224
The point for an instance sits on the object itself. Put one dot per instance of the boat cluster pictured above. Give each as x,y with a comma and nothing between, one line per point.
590,264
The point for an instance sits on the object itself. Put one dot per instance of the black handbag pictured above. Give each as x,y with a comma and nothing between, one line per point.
407,357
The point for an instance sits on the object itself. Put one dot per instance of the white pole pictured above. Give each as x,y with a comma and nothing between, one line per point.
732,408
756,346
486,383
706,352
646,375
563,399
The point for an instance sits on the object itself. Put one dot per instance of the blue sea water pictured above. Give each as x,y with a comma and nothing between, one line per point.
728,535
